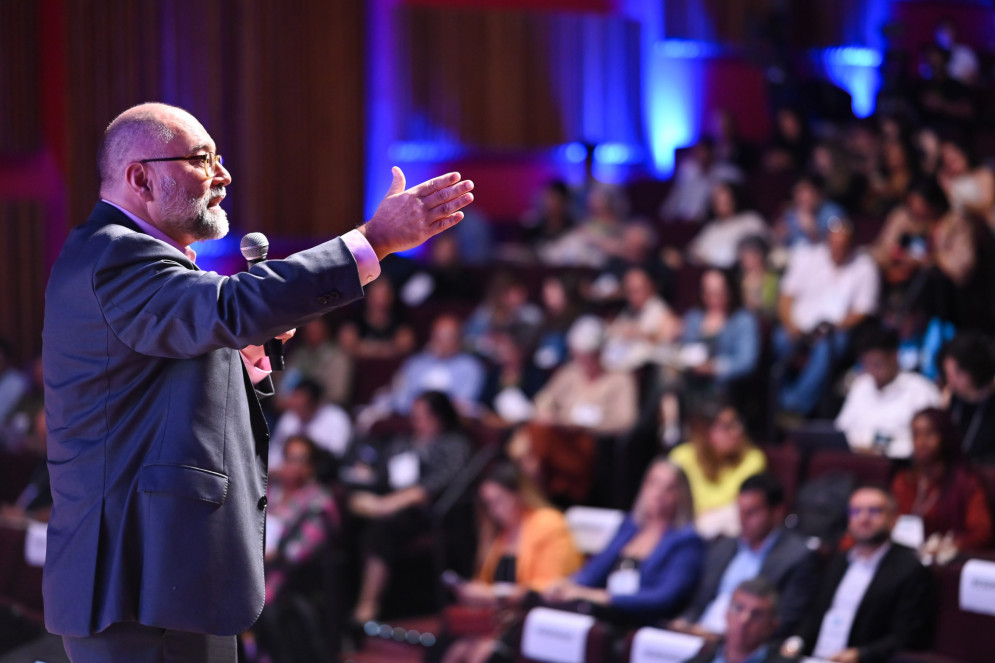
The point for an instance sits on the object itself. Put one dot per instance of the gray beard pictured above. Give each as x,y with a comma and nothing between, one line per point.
192,216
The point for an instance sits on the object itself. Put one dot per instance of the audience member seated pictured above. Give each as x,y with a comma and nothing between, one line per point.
806,221
645,323
511,383
582,392
414,472
875,599
892,177
13,384
717,460
717,242
552,217
968,368
652,564
758,283
882,400
749,622
940,100
506,308
381,329
963,63
35,501
792,144
970,186
300,523
942,492
829,289
697,174
764,548
561,305
725,338
960,288
312,355
845,173
327,425
441,366
525,545
598,237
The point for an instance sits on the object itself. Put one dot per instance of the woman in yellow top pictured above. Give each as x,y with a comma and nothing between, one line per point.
525,545
717,460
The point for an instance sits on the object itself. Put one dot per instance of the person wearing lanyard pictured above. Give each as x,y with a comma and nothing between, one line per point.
875,599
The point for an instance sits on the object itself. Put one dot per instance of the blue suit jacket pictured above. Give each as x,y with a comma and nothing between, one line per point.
666,578
157,446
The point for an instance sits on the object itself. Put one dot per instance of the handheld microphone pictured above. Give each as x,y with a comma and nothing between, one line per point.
255,248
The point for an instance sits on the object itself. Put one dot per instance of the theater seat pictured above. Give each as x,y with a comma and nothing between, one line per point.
961,635
784,462
557,636
865,469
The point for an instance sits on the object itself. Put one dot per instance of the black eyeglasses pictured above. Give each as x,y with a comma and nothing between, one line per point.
211,161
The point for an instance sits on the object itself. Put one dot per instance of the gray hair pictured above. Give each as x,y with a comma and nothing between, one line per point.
144,127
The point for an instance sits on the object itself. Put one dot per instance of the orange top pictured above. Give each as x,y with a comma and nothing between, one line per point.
546,551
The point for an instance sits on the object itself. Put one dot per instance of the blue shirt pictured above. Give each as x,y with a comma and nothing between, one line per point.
745,565
756,657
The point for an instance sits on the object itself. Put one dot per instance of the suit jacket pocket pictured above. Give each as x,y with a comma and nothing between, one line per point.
184,481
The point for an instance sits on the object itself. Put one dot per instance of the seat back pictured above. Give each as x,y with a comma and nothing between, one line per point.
654,645
592,527
558,636
961,634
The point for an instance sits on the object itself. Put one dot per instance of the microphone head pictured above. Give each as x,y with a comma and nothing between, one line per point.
254,246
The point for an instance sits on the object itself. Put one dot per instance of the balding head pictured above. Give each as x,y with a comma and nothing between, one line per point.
174,194
141,132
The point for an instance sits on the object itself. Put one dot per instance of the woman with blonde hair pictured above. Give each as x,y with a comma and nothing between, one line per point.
652,564
717,460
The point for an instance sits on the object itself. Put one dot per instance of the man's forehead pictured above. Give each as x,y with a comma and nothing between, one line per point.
866,495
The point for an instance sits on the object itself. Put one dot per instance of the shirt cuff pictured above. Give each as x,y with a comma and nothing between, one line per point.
258,371
366,257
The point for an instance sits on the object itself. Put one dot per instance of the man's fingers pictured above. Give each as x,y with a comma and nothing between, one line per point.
446,222
450,207
431,186
448,194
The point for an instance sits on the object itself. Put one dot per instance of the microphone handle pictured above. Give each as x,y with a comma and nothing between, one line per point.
274,346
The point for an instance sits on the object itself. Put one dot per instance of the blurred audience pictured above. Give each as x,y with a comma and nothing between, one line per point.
828,289
599,237
650,567
643,324
381,329
750,621
313,355
968,365
764,548
807,219
944,494
717,242
325,424
506,308
791,147
717,460
412,475
875,599
969,185
697,175
758,283
882,400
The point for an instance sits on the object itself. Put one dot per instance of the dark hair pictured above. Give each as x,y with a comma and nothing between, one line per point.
442,409
950,451
755,243
312,448
972,352
736,192
559,187
768,485
312,388
879,487
879,337
815,179
962,144
733,292
761,588
505,474
932,193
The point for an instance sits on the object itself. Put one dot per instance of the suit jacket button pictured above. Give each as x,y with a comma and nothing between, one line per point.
262,503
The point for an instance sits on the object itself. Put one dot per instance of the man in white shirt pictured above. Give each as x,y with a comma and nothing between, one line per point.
875,599
828,290
325,424
881,402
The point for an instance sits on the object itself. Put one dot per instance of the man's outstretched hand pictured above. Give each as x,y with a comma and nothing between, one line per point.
406,218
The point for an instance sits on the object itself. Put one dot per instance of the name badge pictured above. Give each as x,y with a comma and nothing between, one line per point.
403,470
623,582
977,587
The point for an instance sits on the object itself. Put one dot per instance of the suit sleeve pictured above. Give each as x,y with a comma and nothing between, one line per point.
797,589
910,622
155,302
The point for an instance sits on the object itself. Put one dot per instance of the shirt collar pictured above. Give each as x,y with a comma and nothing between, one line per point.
151,230
765,547
873,560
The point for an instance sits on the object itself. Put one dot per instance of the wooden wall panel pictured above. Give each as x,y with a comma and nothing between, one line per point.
21,297
20,129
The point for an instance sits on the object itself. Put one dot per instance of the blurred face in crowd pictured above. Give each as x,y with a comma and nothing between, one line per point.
926,441
659,494
806,196
298,469
638,288
299,402
725,435
957,378
723,202
871,517
839,241
502,505
446,339
751,259
750,621
882,365
756,518
554,296
315,333
714,291
788,124
424,423
954,160
380,295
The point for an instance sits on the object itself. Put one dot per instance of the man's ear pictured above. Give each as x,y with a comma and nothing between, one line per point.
138,181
